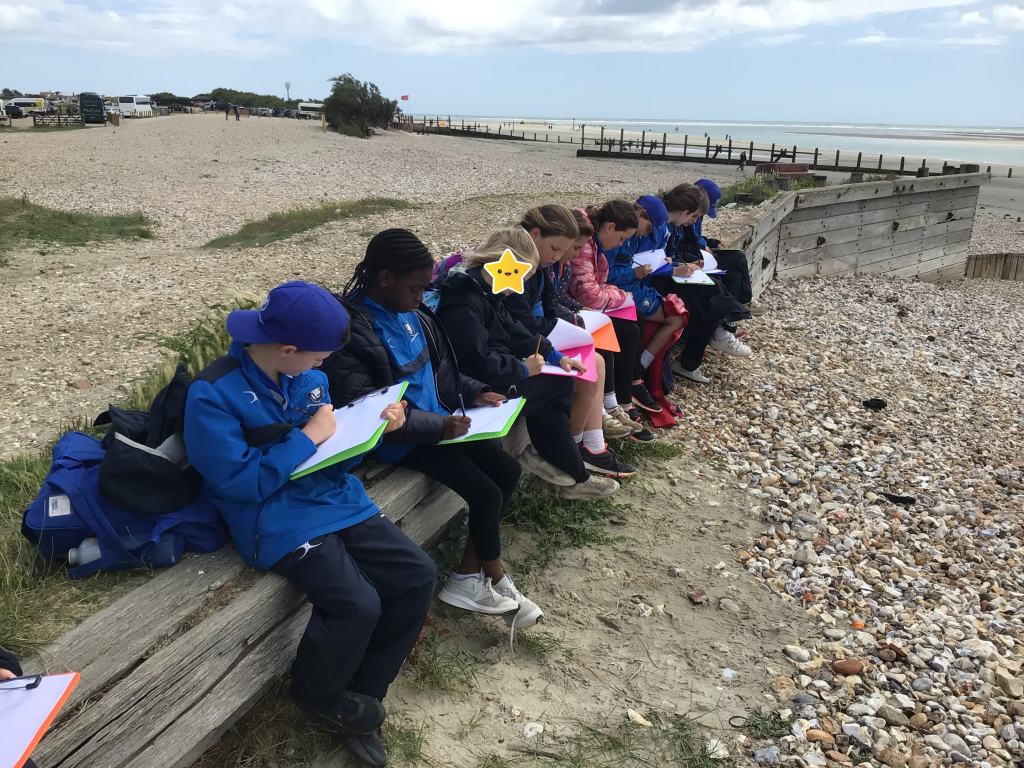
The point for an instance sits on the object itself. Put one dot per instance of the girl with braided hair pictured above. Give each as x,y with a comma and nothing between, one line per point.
396,338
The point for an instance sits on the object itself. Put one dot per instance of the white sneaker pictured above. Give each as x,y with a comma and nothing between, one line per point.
549,473
595,487
529,612
476,594
756,308
730,346
696,375
622,417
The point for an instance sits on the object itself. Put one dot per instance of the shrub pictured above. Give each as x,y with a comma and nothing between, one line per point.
356,105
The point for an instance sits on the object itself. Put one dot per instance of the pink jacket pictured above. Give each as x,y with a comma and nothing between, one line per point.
590,284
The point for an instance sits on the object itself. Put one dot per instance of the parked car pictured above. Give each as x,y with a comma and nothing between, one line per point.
277,112
13,110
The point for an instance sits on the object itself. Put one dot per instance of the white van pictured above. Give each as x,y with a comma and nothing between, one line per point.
309,110
31,105
135,106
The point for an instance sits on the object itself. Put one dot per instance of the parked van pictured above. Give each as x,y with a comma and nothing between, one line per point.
92,108
309,110
31,105
135,106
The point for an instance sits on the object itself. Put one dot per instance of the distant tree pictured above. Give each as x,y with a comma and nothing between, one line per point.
249,99
7,93
354,106
166,99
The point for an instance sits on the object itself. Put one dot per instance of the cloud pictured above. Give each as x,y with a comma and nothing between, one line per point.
972,19
175,27
763,42
875,37
1009,17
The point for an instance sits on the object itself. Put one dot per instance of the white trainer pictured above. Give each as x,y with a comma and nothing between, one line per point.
730,345
476,594
529,612
695,375
549,473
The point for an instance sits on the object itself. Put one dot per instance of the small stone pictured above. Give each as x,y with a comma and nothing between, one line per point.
892,758
892,716
700,597
728,605
847,667
80,384
767,756
1008,733
991,743
1011,685
851,729
918,761
814,734
955,743
922,684
839,757
834,634
796,653
920,720
887,654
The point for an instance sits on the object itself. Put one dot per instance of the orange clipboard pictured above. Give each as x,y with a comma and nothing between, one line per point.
28,706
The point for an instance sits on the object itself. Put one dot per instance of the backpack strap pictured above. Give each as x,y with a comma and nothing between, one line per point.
219,368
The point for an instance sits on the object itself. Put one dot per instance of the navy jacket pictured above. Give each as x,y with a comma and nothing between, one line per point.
363,365
246,444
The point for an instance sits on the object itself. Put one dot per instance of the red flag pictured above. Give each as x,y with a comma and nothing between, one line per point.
405,98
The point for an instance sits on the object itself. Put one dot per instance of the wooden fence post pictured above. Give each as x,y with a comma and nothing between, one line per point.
686,140
858,160
903,161
664,141
601,147
880,162
815,165
707,150
729,156
583,137
622,133
643,141
794,153
837,159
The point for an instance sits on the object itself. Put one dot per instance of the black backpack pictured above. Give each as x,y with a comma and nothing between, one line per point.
145,468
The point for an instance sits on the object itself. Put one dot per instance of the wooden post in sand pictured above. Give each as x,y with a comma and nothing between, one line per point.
750,157
880,162
837,159
622,133
729,156
794,153
686,140
815,166
903,161
601,148
707,151
583,137
643,141
664,141
858,159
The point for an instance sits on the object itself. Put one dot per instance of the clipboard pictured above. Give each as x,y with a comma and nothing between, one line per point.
488,422
28,706
599,325
572,341
658,261
359,427
697,278
625,311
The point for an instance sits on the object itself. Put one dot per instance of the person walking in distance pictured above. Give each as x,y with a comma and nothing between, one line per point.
227,111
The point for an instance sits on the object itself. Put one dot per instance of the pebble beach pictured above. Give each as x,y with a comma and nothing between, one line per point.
870,451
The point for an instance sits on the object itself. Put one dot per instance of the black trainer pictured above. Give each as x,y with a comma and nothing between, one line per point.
605,463
354,714
642,399
644,435
369,748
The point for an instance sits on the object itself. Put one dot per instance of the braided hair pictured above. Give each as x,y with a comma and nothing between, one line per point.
398,251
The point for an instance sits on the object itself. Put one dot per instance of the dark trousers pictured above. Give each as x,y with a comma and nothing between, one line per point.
737,274
622,367
483,474
693,346
370,587
548,403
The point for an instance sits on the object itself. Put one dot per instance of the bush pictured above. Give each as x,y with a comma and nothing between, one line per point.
357,106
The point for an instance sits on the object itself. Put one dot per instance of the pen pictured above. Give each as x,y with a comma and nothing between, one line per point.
462,404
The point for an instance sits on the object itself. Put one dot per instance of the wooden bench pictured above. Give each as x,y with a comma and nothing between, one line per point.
169,667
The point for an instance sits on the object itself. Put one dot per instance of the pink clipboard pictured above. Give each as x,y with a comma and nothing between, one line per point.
626,312
586,355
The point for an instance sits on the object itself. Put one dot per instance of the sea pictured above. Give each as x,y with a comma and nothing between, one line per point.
955,143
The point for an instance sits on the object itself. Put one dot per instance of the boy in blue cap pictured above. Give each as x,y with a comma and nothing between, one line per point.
250,419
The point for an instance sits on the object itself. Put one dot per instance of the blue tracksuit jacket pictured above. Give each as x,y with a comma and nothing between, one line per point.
246,443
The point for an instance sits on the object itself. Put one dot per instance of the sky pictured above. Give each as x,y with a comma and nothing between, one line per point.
920,62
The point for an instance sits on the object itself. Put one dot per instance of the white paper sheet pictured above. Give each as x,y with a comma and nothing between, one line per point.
24,713
357,424
559,371
568,336
487,419
654,259
594,321
710,262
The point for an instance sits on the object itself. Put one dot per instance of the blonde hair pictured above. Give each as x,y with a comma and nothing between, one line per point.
552,221
515,239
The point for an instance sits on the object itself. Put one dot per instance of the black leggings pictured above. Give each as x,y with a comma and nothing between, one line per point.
548,403
737,274
622,367
483,474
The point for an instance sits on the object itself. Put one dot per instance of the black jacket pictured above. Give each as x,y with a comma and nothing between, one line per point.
540,287
363,366
9,662
491,345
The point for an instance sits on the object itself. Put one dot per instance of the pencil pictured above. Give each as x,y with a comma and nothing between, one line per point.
537,352
462,404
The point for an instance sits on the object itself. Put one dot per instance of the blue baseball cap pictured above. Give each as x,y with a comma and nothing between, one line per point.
297,313
655,209
714,194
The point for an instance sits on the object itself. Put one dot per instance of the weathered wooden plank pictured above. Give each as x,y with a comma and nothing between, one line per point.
109,732
913,264
843,193
910,186
776,213
790,245
867,244
917,248
427,523
401,492
944,275
830,212
907,211
111,642
197,730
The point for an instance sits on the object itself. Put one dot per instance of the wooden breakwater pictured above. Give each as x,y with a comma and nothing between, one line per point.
999,266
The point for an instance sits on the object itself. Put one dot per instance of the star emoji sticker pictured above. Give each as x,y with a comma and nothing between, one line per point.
508,273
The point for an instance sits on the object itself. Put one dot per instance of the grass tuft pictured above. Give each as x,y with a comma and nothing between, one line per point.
767,725
404,742
440,665
283,224
557,523
25,222
632,452
542,646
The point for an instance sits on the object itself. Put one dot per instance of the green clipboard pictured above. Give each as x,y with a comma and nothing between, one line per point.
498,423
360,416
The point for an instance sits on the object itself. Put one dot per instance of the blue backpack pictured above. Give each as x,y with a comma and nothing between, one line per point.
69,509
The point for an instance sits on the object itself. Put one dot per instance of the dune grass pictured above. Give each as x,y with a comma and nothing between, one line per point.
283,224
23,222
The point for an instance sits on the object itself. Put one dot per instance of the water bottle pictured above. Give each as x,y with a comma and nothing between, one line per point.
161,556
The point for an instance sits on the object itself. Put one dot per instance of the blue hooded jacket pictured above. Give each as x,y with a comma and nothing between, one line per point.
620,268
246,443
